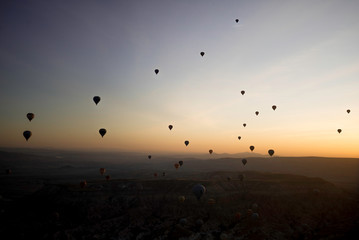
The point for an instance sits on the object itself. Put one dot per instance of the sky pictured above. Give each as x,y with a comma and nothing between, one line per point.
302,56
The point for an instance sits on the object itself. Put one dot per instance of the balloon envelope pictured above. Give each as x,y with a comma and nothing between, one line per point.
96,99
170,127
27,134
157,71
237,20
274,107
271,152
177,165
102,171
102,131
180,163
239,137
348,111
243,92
244,124
339,130
244,161
251,148
30,116
202,54
257,113
149,156
186,142
210,151
198,190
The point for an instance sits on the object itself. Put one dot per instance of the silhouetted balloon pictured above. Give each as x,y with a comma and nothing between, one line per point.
183,221
181,199
271,152
180,163
27,134
198,190
157,71
164,174
102,131
243,92
149,156
155,174
177,165
96,99
274,107
186,142
210,151
102,171
348,111
251,148
239,137
108,177
244,124
202,54
241,177
30,116
237,20
257,113
339,130
170,127
244,161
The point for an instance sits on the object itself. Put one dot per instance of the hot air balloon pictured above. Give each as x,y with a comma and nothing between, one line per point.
181,199
210,151
177,165
163,174
155,174
243,92
244,161
102,171
348,111
149,156
257,113
157,71
237,20
27,134
198,190
339,130
30,116
170,127
183,221
202,54
239,137
108,178
83,184
180,163
102,131
271,152
274,107
186,142
241,177
244,124
251,148
96,99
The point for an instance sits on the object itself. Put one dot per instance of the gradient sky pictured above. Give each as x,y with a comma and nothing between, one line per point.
302,56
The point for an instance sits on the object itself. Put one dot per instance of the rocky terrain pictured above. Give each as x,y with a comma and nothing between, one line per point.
259,206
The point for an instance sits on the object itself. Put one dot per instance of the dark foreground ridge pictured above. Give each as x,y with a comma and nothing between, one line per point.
262,206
